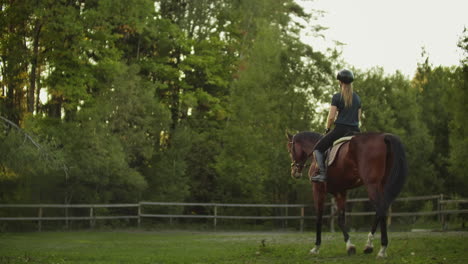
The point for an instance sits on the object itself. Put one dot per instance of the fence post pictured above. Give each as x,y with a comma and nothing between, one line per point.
302,219
91,213
286,220
439,207
66,217
39,224
441,214
139,214
215,221
332,215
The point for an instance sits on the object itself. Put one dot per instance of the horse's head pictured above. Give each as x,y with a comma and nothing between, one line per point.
298,156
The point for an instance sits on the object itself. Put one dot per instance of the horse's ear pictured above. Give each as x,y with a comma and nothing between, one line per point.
289,136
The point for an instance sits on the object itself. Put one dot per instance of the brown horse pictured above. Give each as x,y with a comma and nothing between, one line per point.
375,160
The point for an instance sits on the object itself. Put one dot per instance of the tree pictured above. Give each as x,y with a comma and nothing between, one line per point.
14,58
456,103
434,86
30,167
270,94
389,106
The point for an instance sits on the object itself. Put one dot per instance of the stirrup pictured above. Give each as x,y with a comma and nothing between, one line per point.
318,178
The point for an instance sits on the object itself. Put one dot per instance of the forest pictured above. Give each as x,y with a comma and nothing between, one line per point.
113,101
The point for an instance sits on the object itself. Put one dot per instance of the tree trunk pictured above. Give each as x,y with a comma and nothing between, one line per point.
33,76
55,107
38,92
175,106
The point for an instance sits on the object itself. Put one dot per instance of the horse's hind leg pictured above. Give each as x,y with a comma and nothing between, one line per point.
341,204
383,235
369,248
380,219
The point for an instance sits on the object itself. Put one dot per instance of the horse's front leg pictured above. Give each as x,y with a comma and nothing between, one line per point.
318,233
320,193
341,204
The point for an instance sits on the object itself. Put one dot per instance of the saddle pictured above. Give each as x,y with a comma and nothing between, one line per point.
331,152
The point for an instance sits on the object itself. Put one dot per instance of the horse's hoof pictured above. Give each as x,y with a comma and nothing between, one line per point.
351,251
314,251
368,250
382,253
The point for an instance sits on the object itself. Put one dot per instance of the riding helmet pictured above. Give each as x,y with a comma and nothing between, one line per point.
345,76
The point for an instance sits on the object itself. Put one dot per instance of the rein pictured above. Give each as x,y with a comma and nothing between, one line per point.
296,164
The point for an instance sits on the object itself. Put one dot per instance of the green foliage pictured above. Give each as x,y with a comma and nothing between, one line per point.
389,105
441,93
98,171
456,103
30,169
268,96
189,101
167,172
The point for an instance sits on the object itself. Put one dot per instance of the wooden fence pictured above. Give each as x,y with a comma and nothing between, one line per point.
441,211
91,218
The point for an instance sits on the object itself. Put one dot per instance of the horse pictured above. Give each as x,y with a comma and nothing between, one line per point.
375,160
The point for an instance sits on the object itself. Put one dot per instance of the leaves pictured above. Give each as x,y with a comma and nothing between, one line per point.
188,100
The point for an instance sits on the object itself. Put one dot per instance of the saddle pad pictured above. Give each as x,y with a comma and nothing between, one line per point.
334,150
343,139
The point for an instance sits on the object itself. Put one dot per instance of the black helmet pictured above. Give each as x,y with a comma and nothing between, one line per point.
345,76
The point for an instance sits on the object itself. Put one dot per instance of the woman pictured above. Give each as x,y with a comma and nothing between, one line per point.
345,112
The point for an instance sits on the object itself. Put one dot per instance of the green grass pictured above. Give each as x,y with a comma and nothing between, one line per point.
222,247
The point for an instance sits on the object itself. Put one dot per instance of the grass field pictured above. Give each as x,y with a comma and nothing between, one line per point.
136,246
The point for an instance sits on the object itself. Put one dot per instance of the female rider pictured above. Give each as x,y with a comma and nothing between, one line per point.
345,113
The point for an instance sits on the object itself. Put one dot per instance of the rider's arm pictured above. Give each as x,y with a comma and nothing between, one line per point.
331,116
359,117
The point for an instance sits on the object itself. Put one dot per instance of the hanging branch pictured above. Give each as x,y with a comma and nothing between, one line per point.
43,151
26,135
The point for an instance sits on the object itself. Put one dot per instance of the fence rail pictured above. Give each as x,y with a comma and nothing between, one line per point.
441,212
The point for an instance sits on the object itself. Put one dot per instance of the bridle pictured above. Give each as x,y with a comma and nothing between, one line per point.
299,165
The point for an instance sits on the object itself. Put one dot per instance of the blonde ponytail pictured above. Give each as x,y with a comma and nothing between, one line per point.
347,94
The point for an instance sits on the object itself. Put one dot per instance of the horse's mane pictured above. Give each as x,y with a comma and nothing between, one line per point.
307,136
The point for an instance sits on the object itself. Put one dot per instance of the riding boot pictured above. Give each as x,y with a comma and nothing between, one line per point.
321,175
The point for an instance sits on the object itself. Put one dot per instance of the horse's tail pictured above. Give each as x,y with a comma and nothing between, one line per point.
398,171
